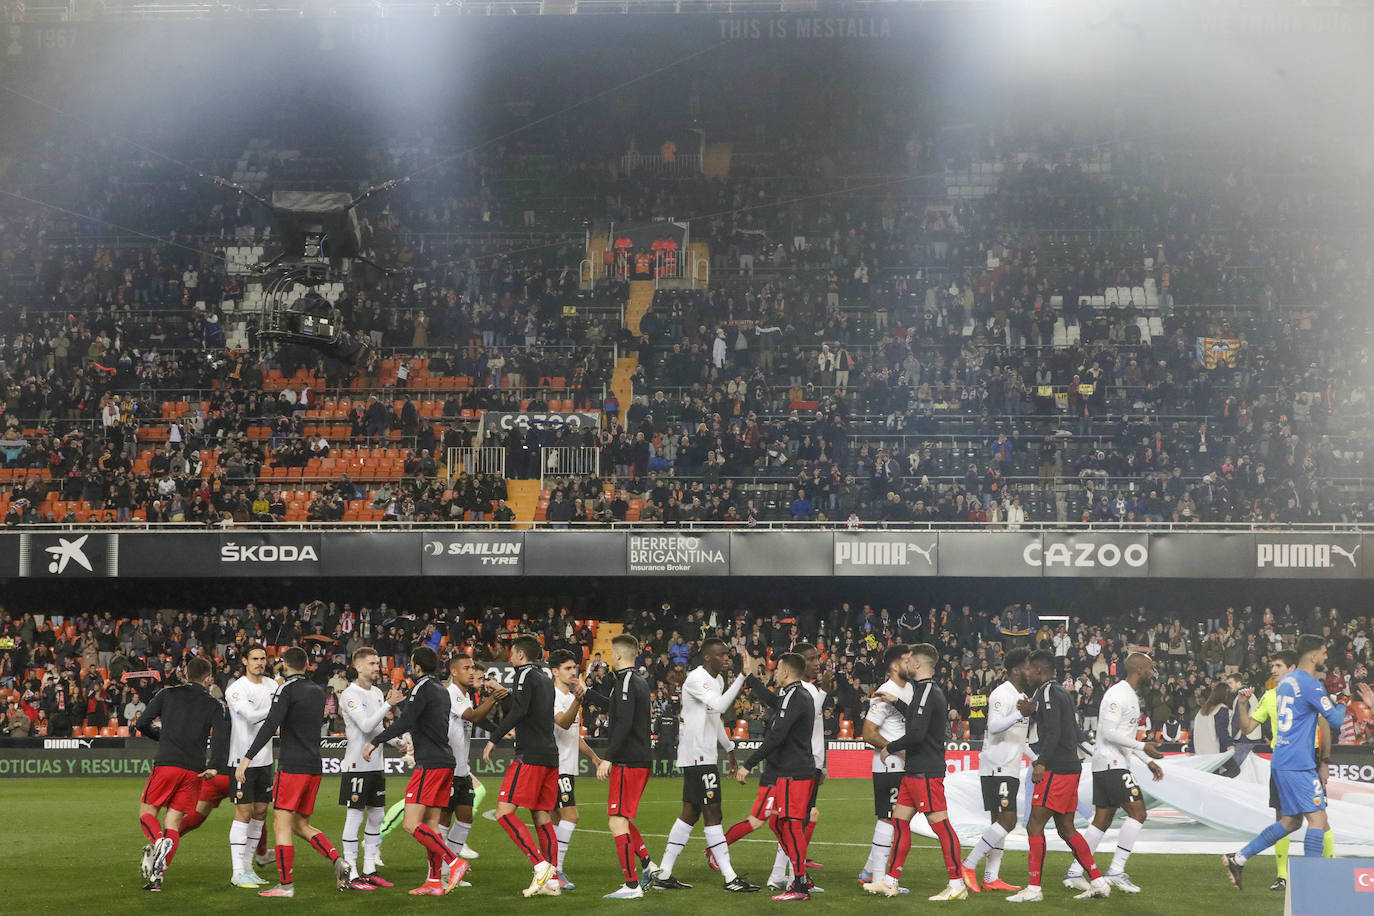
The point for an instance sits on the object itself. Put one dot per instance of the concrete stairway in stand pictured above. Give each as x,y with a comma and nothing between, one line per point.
523,499
716,163
605,632
621,381
641,297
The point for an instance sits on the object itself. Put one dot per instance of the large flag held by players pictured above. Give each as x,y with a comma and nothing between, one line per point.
1215,352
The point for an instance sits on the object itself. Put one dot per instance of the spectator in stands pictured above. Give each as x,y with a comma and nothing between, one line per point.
17,722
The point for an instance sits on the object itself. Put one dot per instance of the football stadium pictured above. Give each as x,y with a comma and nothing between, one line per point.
687,453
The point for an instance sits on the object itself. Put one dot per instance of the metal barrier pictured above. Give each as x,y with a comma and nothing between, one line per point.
568,461
668,266
682,165
475,461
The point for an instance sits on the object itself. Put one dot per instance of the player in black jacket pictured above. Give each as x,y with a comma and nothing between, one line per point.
812,684
626,763
1055,776
789,760
425,715
297,710
923,779
190,718
532,779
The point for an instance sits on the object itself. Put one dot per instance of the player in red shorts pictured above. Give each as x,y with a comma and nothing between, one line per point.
425,715
1056,778
762,811
212,792
298,710
788,759
923,776
626,763
531,781
778,878
190,718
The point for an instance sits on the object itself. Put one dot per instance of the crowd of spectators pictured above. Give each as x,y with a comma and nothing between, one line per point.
94,669
904,354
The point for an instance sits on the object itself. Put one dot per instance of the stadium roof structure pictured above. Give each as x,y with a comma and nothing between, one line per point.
57,11
76,10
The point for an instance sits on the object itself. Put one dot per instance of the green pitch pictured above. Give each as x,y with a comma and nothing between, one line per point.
73,846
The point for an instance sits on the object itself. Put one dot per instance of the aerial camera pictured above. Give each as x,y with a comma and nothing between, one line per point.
321,239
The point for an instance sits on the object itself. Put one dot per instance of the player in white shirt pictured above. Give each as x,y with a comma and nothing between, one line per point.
885,723
705,698
249,699
568,692
362,783
999,771
464,678
1118,722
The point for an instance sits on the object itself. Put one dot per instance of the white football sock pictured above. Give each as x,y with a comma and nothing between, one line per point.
678,836
458,834
372,839
715,841
992,865
780,866
353,820
255,829
991,839
1092,836
881,849
238,842
564,831
1124,844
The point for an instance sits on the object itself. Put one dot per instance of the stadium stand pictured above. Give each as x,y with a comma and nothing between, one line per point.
111,664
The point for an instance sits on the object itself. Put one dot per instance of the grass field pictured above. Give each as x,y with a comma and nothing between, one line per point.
72,846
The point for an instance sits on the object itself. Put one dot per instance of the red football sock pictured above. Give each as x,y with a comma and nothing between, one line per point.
1037,859
738,832
286,856
624,851
775,825
637,843
175,837
1084,855
949,845
792,839
548,841
520,835
901,845
427,838
436,865
320,843
191,822
262,841
809,829
151,828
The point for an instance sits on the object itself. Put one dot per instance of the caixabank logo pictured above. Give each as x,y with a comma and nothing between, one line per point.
68,555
